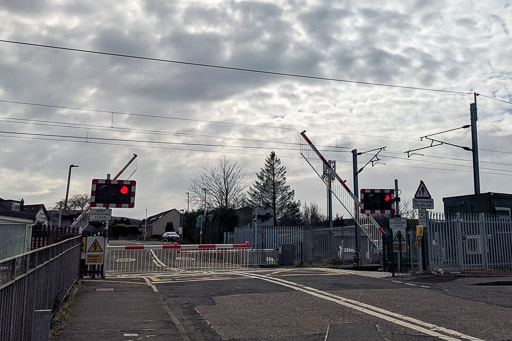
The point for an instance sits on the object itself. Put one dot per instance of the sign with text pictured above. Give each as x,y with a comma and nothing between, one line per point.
426,204
100,214
398,223
95,250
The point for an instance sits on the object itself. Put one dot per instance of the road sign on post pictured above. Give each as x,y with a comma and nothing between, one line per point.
422,198
95,250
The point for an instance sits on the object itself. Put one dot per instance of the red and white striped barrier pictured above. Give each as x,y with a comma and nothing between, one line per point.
182,247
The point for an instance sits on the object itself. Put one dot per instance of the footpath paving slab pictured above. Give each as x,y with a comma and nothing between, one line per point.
115,309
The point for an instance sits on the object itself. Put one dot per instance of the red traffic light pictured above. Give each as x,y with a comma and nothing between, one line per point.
387,198
124,190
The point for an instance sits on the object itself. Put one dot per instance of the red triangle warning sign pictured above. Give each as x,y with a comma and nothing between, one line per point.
422,192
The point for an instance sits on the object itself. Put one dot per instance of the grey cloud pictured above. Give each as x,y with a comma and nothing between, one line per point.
324,24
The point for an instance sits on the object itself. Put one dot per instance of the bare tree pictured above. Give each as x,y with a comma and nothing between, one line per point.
224,184
406,210
76,202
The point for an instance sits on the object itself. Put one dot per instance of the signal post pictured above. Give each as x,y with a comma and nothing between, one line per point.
422,201
105,194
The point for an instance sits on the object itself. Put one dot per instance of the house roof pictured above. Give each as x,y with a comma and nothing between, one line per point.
153,219
16,214
34,209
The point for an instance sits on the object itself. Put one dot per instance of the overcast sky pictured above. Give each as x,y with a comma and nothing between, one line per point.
461,46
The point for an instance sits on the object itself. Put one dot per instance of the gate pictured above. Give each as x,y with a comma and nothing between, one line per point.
163,258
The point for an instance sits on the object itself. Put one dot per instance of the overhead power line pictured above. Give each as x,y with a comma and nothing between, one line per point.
110,143
496,99
230,68
110,112
87,139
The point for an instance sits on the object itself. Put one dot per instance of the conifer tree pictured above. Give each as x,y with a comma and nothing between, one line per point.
271,191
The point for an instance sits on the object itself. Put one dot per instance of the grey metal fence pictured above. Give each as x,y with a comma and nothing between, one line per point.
35,281
272,237
469,241
311,243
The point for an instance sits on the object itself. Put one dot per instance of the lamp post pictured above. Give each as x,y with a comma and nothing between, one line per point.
67,189
67,193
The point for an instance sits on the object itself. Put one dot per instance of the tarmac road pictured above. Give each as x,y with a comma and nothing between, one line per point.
290,304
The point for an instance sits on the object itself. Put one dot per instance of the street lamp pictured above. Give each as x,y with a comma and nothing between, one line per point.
67,193
67,189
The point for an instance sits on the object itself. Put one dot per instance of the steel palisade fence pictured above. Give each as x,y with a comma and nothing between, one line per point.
36,280
458,242
311,243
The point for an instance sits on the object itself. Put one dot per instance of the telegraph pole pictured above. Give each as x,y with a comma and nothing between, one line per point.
474,139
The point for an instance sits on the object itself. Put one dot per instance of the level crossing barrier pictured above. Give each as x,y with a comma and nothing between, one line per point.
341,192
175,257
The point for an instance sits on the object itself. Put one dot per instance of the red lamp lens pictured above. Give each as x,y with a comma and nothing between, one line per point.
124,190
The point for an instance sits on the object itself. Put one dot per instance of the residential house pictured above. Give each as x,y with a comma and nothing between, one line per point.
161,222
15,229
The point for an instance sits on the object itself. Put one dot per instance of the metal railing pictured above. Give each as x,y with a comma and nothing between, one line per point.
34,281
158,259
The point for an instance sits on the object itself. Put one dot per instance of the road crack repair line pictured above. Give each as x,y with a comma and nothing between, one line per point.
402,320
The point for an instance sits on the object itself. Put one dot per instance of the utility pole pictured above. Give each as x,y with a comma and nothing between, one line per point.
474,139
188,202
330,179
356,211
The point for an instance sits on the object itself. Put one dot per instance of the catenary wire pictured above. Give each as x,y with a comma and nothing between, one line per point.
232,152
158,132
193,120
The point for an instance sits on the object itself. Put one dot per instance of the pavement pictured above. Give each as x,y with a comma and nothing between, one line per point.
131,309
114,309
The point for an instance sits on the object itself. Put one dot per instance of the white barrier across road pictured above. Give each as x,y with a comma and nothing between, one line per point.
158,258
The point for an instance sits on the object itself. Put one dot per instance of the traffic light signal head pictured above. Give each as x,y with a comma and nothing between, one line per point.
377,201
113,193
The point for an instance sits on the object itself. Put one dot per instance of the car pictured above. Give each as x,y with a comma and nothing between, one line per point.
170,237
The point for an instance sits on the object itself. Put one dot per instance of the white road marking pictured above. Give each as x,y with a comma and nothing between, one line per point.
406,321
150,284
